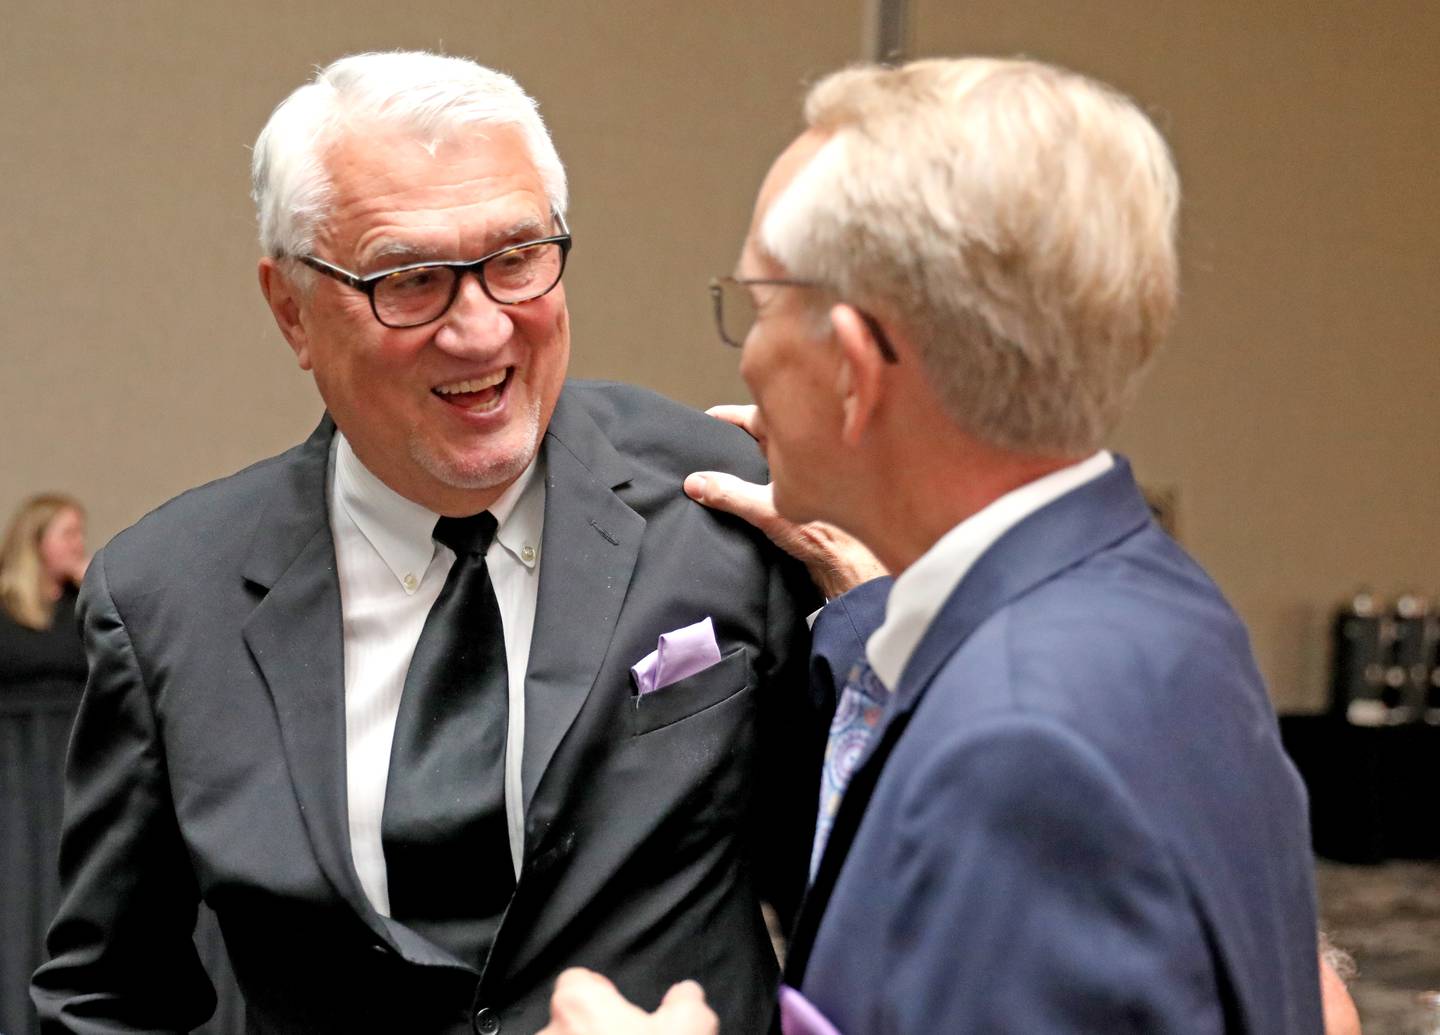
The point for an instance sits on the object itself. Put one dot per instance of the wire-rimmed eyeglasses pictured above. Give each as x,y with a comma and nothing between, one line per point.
735,310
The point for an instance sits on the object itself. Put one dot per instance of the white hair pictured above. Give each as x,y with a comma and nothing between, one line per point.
430,95
1015,221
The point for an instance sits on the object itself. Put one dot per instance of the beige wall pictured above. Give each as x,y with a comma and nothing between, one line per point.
1295,410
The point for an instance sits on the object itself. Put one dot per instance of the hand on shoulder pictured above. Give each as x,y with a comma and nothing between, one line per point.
837,561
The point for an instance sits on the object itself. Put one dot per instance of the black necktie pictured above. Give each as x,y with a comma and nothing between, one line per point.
447,850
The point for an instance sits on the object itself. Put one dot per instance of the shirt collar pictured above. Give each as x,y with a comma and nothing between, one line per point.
521,515
400,529
922,589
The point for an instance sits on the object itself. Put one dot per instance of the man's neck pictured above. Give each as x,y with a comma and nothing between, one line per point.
940,485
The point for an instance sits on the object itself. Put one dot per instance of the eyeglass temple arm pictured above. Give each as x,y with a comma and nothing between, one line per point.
344,276
882,340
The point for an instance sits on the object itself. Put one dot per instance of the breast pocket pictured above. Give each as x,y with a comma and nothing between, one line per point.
692,695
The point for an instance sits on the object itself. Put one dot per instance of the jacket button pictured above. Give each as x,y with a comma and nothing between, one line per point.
487,1022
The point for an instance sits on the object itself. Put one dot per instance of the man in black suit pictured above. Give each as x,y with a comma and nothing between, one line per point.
395,744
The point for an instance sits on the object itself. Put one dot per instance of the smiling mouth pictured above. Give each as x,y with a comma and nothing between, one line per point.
476,394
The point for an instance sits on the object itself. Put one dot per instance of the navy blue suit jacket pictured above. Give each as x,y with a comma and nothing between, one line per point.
1076,814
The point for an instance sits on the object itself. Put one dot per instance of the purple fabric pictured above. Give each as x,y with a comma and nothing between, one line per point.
798,1016
681,653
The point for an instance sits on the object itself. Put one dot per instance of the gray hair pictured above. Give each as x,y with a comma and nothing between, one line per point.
429,94
1016,221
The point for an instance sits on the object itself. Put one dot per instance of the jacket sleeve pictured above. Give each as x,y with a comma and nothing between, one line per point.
839,634
791,724
122,958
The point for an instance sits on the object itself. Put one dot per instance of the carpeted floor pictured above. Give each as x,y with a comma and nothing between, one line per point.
1388,918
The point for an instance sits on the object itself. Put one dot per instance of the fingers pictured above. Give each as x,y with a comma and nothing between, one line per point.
739,415
746,500
580,981
587,1003
745,417
684,993
837,562
683,1011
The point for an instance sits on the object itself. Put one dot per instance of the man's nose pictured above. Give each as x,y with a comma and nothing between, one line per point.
474,322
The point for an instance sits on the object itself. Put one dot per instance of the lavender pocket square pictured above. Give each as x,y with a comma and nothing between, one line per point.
799,1016
681,653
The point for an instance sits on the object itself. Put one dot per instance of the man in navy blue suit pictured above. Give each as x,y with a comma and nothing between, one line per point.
1058,800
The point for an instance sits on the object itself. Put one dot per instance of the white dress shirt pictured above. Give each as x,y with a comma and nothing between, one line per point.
391,571
922,589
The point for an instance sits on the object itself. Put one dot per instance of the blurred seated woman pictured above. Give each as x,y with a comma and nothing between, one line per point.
42,675
42,560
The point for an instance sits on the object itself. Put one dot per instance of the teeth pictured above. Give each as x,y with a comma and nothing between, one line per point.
475,384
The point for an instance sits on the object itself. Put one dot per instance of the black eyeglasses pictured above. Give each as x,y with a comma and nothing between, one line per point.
735,310
424,291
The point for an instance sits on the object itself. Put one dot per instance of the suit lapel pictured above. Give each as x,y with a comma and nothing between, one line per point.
295,635
1055,538
1066,532
588,553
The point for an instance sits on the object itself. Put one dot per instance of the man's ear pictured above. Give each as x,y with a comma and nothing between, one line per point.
283,297
861,372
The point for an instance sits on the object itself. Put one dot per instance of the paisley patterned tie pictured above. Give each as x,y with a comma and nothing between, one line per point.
862,701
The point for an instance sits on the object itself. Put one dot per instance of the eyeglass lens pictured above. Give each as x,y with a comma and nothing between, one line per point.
736,312
410,297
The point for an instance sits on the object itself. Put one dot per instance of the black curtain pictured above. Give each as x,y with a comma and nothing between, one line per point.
34,730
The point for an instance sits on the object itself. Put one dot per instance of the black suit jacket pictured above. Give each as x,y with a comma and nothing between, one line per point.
209,757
